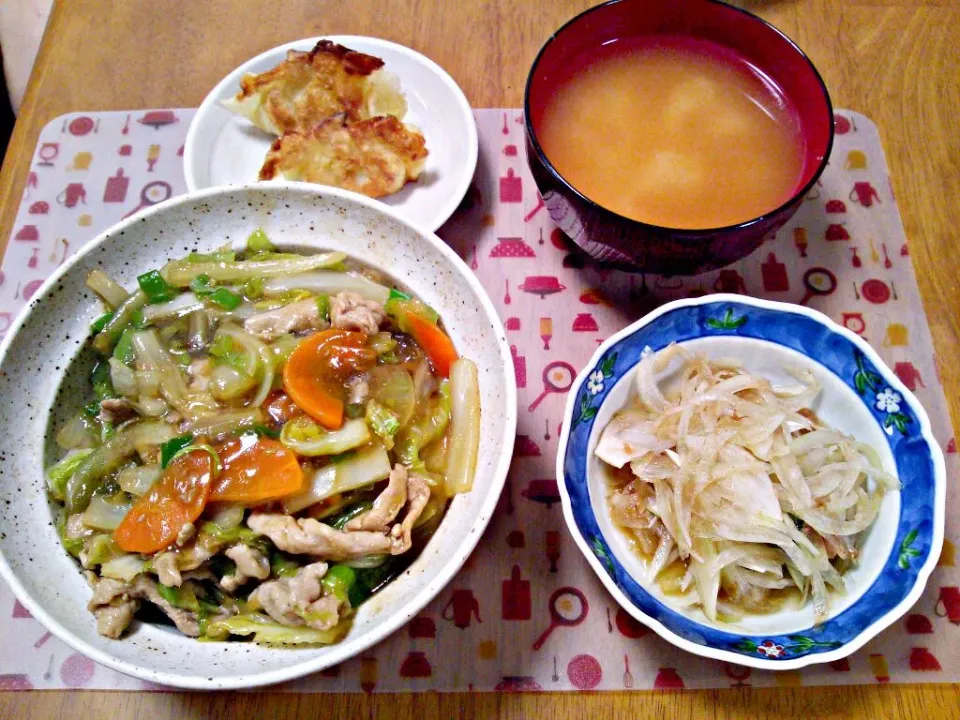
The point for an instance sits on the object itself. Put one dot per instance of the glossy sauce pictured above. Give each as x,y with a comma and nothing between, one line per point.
675,132
670,580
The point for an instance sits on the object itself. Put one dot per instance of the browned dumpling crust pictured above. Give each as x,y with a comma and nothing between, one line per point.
309,87
375,156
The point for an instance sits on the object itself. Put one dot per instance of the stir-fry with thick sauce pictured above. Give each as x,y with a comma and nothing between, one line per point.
270,439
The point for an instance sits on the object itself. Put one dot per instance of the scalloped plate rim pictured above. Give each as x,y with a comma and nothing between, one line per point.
874,628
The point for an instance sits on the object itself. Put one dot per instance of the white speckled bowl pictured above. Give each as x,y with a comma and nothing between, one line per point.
43,365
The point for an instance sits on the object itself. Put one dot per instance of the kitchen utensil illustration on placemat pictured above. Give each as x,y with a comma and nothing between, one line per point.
568,608
152,193
818,281
557,378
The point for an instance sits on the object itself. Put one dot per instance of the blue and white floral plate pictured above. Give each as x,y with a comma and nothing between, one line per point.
861,396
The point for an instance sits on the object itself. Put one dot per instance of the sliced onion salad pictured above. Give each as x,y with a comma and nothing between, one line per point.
737,486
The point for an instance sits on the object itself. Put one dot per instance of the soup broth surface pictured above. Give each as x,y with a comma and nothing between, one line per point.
675,132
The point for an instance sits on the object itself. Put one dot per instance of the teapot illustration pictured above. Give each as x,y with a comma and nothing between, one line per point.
949,600
730,281
864,193
461,608
909,375
72,194
668,679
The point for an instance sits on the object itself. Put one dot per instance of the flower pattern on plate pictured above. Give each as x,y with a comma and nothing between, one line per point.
595,382
888,401
770,649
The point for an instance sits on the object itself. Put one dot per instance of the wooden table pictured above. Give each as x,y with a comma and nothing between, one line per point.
897,61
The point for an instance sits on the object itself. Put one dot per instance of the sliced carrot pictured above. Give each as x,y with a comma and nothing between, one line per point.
315,373
255,470
176,499
435,343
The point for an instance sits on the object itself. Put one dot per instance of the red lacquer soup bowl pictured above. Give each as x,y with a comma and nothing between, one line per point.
615,240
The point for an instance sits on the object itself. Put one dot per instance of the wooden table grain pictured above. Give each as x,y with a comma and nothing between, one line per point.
897,61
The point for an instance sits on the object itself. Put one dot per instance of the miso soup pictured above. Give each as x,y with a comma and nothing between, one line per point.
675,132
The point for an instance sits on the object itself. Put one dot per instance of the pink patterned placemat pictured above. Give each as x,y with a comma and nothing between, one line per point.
527,613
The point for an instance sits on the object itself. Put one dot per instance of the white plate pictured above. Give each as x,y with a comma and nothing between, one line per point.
225,149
